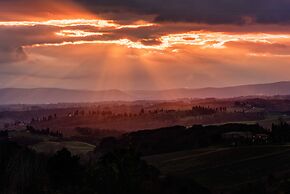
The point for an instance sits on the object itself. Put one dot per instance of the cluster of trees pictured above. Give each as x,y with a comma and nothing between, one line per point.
196,110
48,118
200,110
280,132
4,134
93,135
47,131
177,138
109,114
122,171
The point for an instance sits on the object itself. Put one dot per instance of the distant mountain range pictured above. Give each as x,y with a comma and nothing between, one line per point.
53,95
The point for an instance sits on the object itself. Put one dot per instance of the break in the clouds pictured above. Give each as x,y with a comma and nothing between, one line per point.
143,44
201,11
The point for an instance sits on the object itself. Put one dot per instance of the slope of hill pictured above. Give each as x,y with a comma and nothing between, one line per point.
269,89
51,95
54,95
238,166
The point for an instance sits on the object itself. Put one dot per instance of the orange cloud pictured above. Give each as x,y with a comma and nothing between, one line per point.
178,55
31,10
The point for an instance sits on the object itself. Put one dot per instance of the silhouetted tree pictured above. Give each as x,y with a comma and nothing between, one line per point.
65,172
123,172
280,132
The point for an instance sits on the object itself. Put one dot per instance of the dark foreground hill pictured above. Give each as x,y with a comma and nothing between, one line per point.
52,95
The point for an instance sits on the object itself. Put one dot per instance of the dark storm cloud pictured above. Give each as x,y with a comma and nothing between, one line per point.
12,54
14,38
201,11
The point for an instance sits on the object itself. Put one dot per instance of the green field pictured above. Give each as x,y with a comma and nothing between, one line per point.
266,123
26,138
76,148
225,167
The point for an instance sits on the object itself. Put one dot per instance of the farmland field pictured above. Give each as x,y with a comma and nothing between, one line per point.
225,167
76,148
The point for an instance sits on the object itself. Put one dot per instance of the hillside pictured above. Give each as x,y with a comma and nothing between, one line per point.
52,95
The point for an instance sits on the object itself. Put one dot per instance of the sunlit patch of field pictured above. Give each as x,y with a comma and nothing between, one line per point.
76,148
26,138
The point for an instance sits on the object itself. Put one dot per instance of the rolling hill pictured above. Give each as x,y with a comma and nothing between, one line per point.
54,95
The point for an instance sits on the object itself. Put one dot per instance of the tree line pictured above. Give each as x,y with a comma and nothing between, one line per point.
122,171
178,138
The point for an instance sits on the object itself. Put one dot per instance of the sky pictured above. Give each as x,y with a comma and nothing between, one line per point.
143,44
